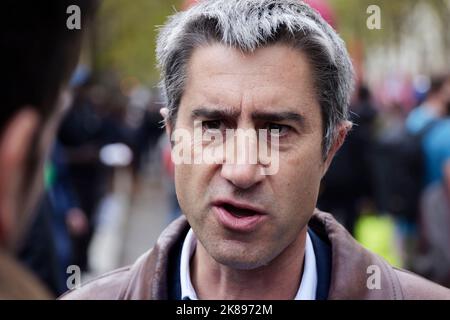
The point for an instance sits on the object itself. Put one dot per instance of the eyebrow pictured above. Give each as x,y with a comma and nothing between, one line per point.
209,113
279,116
229,113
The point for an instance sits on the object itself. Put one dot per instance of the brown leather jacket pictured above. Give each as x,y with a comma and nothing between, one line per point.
147,277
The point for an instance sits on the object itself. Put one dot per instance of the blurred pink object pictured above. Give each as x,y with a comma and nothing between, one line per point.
324,9
188,3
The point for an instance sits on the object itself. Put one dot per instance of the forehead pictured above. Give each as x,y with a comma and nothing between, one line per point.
269,77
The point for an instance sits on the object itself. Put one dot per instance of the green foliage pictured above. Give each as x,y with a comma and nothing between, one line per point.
125,35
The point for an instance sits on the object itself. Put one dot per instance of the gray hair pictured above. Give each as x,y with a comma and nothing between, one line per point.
251,24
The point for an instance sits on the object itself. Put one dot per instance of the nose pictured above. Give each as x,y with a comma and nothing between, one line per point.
242,176
241,167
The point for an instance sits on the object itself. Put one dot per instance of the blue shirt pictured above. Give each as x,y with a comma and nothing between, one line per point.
435,143
419,118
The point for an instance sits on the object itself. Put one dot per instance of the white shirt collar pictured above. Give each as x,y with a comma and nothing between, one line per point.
308,284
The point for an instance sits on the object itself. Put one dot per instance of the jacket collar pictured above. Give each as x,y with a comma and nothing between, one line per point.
352,267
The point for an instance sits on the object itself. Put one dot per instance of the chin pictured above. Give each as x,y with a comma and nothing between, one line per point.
240,261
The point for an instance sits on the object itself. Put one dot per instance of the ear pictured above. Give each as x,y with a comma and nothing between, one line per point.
15,141
342,131
165,114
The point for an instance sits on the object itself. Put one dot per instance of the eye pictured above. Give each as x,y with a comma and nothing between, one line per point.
212,125
275,129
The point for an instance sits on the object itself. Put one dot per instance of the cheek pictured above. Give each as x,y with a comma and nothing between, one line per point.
298,179
190,184
181,176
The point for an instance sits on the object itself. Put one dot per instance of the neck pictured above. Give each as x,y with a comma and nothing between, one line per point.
280,279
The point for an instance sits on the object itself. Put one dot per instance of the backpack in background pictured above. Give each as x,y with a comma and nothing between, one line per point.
398,164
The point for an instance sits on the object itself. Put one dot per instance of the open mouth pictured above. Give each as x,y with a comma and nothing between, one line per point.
237,216
239,212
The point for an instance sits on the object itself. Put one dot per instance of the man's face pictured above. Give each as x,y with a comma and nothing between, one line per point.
245,219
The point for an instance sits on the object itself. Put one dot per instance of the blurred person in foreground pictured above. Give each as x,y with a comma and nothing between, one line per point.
272,65
39,53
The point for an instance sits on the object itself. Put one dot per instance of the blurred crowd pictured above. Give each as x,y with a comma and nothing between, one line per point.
105,129
396,164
